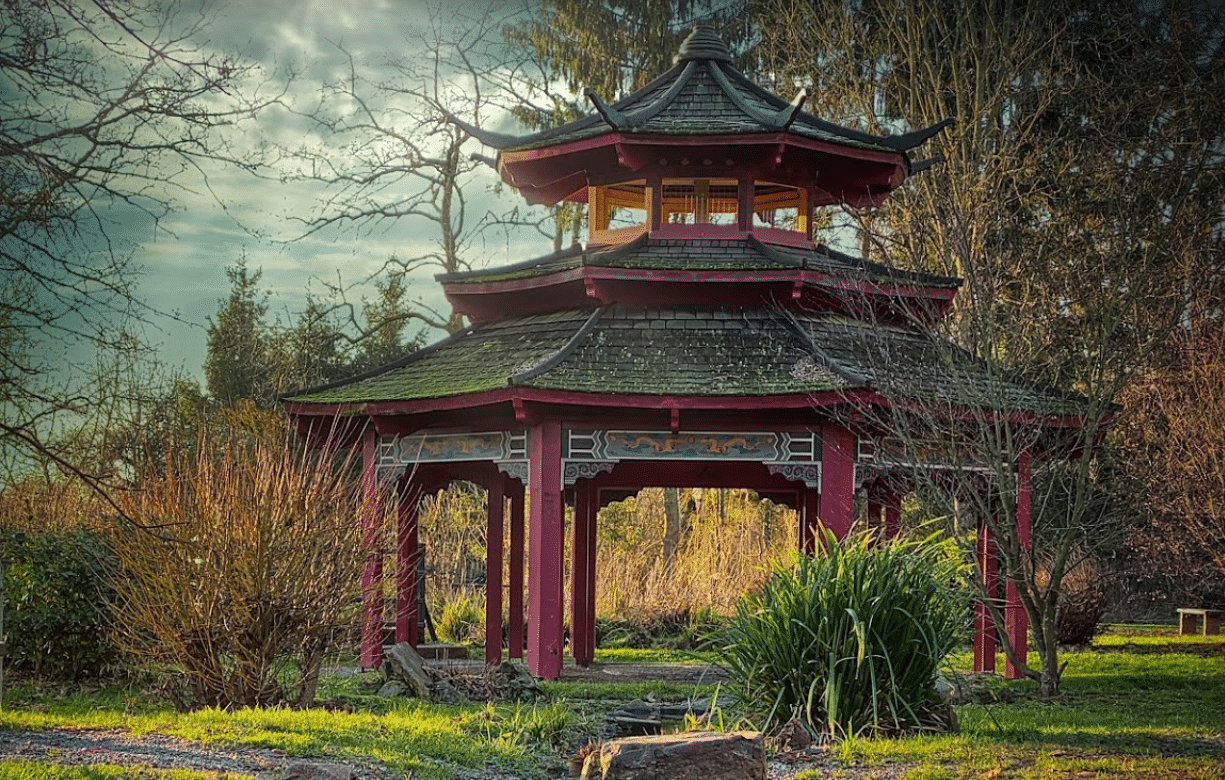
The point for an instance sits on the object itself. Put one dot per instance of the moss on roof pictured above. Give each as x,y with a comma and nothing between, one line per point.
699,351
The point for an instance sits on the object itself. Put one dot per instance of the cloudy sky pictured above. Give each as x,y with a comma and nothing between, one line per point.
183,263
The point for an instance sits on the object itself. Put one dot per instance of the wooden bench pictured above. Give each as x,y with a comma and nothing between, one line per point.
1189,621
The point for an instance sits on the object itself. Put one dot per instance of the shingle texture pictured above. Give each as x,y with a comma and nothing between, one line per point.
704,255
703,94
697,351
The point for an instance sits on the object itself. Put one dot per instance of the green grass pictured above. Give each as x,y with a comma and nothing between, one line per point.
30,770
1139,638
410,738
1122,714
651,655
1125,713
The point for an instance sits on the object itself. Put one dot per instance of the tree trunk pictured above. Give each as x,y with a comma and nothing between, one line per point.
674,525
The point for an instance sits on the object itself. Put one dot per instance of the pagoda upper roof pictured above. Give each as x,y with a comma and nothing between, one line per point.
703,94
703,117
703,354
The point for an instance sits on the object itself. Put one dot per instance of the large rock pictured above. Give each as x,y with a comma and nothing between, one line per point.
401,662
692,756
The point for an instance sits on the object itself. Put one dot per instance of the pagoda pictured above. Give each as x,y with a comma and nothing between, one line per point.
701,338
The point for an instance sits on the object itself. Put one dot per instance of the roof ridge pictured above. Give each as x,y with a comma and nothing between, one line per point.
770,253
665,99
820,354
561,354
733,94
618,250
848,133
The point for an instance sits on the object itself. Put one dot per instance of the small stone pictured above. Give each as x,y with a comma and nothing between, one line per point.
392,689
445,692
319,772
793,735
691,756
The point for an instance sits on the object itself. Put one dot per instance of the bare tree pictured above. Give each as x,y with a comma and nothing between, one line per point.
1078,194
111,109
398,159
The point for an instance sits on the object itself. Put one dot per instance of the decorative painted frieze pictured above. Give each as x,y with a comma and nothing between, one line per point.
796,456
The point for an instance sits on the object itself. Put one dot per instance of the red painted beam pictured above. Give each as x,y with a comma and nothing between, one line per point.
1016,619
579,573
985,639
593,512
514,620
893,513
372,570
810,521
493,571
545,546
408,503
837,479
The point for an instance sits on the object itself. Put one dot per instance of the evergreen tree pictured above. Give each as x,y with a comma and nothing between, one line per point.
238,364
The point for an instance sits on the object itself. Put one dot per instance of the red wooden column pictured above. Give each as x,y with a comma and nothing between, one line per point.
809,513
893,513
1016,620
408,511
593,515
545,545
876,508
372,571
582,573
985,638
837,479
493,570
514,605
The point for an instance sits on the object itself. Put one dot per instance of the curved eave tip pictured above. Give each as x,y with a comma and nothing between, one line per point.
907,141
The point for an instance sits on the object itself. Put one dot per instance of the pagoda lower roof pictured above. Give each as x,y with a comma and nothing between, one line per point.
698,354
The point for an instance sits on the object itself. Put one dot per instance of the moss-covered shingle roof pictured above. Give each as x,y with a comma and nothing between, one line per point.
736,254
694,351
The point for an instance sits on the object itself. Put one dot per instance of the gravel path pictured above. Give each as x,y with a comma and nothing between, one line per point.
108,746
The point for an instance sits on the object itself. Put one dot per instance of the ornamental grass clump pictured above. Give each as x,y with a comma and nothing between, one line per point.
848,640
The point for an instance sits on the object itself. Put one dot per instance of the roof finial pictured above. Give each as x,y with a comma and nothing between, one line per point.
703,44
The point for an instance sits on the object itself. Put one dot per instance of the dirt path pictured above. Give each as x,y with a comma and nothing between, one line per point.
109,746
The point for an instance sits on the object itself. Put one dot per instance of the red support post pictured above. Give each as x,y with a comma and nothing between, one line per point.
810,510
514,606
985,638
578,572
545,545
1016,619
837,479
408,509
372,571
493,570
893,513
876,507
593,515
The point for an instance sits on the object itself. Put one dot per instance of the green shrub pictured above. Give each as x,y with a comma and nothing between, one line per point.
849,640
462,621
56,593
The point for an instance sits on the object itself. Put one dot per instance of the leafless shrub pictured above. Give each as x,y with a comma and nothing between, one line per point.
244,570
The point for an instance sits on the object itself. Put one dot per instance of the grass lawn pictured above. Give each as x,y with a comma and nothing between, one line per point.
1141,703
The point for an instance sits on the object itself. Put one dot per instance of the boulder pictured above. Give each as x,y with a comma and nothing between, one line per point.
402,663
690,756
